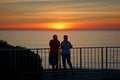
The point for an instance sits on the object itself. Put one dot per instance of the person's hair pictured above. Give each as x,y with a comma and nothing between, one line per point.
54,36
65,37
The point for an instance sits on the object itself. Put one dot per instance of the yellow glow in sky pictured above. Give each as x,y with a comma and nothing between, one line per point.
59,25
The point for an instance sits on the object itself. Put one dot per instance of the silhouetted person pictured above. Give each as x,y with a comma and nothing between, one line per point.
53,55
65,46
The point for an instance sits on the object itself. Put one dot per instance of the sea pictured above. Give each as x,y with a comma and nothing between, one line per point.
78,38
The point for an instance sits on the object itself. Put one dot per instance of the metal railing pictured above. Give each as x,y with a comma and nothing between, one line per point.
81,58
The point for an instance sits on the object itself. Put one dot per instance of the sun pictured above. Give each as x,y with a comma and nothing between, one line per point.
59,26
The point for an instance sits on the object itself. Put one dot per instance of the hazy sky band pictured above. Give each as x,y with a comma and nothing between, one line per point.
45,11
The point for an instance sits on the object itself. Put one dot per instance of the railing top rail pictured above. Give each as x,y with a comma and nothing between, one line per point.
15,49
26,49
49,48
87,47
113,47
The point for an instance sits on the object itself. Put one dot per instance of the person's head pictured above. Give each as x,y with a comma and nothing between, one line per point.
65,37
55,37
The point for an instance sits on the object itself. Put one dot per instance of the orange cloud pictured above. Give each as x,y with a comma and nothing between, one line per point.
72,14
98,24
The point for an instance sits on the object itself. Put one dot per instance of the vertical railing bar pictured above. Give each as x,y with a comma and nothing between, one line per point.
77,58
80,59
84,56
110,58
45,58
44,53
95,58
106,58
48,60
91,59
74,57
113,57
117,58
41,54
87,56
98,58
37,61
102,57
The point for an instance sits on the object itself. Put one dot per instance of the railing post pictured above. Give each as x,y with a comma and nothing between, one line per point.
117,59
106,58
37,62
80,58
102,57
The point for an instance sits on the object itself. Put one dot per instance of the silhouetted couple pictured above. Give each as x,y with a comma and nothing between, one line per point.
55,45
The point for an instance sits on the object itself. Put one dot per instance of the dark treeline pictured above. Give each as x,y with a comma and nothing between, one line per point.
18,59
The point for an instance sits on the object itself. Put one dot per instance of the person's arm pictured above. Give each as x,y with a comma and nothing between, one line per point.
58,44
50,43
61,45
71,46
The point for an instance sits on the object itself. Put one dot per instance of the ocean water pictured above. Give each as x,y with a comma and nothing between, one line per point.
78,38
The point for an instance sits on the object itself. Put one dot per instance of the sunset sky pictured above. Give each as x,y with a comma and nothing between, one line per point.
59,14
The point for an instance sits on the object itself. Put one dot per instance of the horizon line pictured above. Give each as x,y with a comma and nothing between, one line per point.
117,29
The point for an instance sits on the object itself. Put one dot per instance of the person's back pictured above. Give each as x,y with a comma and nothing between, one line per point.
65,46
54,46
53,56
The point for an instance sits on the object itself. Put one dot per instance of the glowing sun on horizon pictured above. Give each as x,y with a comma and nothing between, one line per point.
59,26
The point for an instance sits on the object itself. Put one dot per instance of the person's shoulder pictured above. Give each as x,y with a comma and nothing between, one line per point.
58,40
68,41
62,42
51,40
